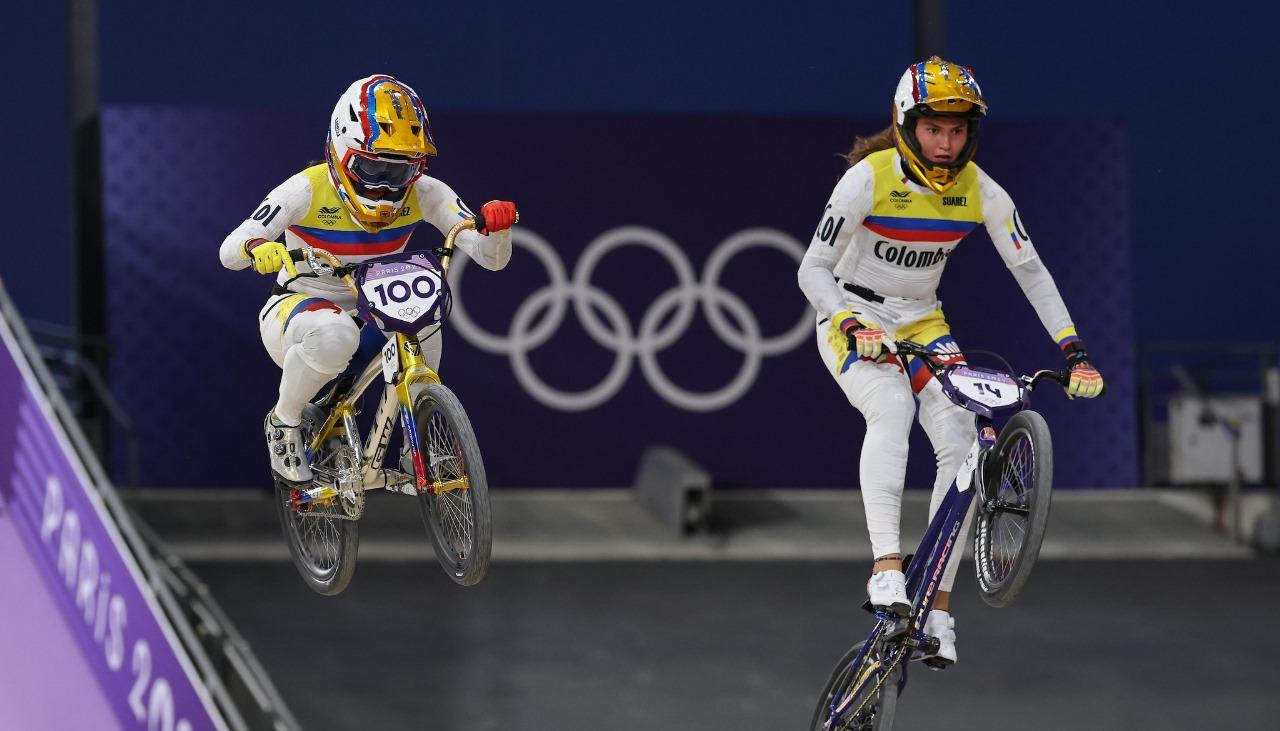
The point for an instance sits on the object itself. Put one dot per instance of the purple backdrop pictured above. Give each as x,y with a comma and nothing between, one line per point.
188,364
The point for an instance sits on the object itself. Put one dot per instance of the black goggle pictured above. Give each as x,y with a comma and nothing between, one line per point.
381,173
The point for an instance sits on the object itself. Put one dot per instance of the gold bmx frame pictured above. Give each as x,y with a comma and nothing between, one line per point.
396,400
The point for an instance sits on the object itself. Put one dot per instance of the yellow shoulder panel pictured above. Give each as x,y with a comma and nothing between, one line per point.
327,211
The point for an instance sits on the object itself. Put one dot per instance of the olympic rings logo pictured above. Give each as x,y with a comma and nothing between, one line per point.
616,331
409,312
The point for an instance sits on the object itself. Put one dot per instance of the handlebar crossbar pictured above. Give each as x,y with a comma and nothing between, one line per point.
324,263
933,361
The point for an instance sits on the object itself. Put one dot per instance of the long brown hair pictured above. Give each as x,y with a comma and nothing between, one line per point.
863,146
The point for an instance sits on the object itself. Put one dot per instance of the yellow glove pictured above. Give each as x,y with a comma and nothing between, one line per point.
268,257
852,332
1086,381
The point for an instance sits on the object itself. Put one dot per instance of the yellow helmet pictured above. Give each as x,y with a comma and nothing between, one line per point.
379,139
936,88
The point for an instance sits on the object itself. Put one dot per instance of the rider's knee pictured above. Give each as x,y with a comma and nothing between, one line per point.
952,436
329,347
889,409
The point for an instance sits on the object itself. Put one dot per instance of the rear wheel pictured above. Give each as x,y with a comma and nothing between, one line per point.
1013,510
455,508
323,537
864,697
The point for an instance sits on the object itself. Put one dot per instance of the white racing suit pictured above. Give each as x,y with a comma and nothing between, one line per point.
889,239
306,323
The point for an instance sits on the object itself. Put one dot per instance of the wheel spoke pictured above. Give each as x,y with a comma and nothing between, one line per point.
857,698
1005,521
318,532
452,509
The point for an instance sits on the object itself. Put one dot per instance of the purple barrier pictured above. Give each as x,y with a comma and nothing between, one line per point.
131,649
52,668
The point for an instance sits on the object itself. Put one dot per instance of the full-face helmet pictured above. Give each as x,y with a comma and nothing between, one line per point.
379,140
936,88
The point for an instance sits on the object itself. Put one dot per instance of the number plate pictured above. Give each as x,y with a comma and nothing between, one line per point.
991,388
405,295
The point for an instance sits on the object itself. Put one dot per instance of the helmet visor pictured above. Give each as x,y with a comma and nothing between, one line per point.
382,173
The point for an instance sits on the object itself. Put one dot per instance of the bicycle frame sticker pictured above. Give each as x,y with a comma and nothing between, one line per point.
390,360
411,436
965,476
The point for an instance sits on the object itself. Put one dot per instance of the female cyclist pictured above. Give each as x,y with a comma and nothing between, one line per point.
364,201
911,193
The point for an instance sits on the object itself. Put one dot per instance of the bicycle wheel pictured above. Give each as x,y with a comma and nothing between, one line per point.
457,517
868,694
323,538
1010,520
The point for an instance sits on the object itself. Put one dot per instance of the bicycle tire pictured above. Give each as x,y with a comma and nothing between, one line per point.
1022,469
459,521
324,575
882,710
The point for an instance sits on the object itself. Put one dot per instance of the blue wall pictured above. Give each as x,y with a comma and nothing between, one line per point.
1195,84
1190,80
35,252
567,57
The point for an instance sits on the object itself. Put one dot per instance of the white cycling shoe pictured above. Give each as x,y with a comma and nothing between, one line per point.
942,625
288,450
888,590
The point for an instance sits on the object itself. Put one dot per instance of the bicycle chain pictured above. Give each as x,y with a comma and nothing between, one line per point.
900,652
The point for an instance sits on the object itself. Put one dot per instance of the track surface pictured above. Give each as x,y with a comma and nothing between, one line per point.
709,646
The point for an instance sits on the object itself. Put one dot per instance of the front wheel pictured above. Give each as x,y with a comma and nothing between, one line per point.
865,697
1013,509
455,508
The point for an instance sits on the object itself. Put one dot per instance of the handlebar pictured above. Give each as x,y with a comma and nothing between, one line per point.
323,263
931,361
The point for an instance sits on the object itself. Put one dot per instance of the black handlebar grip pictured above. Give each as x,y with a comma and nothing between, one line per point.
297,255
480,224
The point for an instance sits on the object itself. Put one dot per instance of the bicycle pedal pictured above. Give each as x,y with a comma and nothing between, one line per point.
937,663
893,612
897,633
304,485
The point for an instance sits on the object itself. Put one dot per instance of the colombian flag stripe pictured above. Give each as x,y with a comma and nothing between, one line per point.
355,243
944,347
920,376
369,89
310,304
923,224
919,229
1066,336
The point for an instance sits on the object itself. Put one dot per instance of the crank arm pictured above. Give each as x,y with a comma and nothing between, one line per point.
392,480
1000,506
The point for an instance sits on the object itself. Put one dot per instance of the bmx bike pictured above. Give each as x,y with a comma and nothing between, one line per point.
1009,476
402,295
